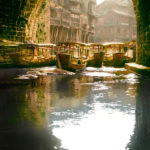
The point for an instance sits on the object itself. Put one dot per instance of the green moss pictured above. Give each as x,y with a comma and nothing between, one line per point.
41,34
42,7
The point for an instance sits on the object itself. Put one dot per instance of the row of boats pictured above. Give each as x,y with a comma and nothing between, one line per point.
72,56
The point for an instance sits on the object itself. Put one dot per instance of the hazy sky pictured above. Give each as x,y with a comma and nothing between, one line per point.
99,1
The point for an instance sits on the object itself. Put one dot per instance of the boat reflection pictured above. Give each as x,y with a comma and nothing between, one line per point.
23,121
76,112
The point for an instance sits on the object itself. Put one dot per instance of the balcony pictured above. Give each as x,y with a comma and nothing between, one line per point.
77,20
75,10
74,25
65,23
55,21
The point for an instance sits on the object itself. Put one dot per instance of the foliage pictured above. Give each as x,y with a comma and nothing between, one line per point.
42,7
41,34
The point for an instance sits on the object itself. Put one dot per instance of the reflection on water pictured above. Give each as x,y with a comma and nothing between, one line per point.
23,111
140,140
104,119
89,111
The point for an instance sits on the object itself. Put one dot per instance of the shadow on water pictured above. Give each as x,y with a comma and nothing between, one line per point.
29,113
23,113
141,137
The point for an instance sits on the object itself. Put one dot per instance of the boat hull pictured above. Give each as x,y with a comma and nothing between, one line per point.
97,60
31,61
64,62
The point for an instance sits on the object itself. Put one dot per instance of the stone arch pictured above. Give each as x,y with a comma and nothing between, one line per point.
21,19
142,11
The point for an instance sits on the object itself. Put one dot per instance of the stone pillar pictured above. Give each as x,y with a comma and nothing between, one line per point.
67,32
87,38
56,35
77,39
52,33
143,31
61,34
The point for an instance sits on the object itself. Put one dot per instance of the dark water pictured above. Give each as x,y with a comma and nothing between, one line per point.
100,109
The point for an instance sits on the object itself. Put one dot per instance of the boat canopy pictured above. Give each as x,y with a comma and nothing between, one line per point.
117,44
71,44
37,45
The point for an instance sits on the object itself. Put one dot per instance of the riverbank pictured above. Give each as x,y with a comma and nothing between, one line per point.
139,69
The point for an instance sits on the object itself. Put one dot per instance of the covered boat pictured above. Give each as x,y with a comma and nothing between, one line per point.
96,55
72,56
32,55
114,54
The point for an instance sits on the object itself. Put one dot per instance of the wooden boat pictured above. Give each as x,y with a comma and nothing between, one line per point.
65,62
7,47
32,55
96,55
72,56
114,54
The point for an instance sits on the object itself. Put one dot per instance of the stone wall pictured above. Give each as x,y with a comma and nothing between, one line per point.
25,20
142,9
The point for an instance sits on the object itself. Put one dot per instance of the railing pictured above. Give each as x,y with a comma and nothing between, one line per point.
75,10
71,23
66,23
56,21
75,19
75,24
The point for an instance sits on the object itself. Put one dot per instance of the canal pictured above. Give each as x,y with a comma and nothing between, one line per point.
98,109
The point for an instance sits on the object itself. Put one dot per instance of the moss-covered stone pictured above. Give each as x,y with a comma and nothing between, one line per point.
20,19
40,33
142,10
42,7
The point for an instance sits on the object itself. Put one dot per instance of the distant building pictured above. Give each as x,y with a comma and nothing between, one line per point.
116,21
72,20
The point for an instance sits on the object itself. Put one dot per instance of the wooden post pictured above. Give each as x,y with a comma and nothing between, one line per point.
61,34
67,34
38,52
53,34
